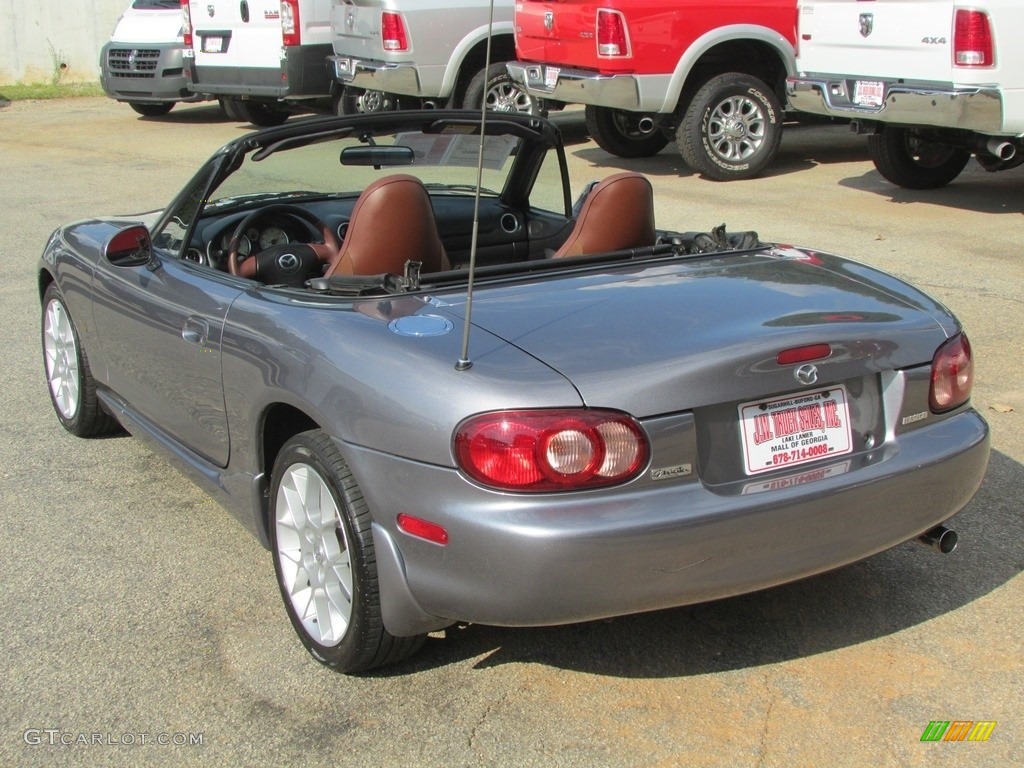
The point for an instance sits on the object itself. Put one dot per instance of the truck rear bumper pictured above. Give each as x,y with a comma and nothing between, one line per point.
301,74
973,108
376,75
634,93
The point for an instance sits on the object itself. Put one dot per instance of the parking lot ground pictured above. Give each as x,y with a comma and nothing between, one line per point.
137,611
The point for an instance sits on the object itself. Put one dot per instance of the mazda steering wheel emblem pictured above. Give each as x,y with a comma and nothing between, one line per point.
288,262
806,373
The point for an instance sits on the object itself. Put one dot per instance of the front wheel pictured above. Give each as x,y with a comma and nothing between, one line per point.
152,110
68,376
731,128
908,160
498,92
624,134
325,561
259,113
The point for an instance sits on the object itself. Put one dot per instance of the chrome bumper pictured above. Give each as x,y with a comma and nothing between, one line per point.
634,93
375,75
974,108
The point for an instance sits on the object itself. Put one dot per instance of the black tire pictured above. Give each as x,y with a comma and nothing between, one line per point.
324,554
259,113
501,92
230,107
906,159
731,128
69,379
619,133
356,101
152,110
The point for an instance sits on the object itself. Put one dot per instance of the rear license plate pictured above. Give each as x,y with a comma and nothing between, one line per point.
551,76
868,93
213,44
795,429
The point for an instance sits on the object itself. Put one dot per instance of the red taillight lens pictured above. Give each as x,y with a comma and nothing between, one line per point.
611,33
392,29
291,30
952,375
551,450
186,25
972,39
423,529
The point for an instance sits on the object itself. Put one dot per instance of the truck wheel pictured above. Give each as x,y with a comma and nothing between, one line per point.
151,110
908,160
499,92
259,113
356,101
626,134
731,128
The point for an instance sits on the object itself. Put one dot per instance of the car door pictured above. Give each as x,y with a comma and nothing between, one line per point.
161,327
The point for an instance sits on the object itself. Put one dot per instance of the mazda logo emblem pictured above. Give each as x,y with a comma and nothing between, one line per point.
288,262
806,373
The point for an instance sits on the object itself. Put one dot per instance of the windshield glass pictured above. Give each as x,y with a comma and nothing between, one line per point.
445,162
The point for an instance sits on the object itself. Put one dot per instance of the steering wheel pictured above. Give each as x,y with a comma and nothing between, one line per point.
290,263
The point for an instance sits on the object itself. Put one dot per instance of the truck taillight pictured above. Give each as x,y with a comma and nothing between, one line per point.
972,39
291,30
186,25
612,36
952,375
392,29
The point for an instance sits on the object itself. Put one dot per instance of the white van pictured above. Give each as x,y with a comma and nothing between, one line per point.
263,58
142,64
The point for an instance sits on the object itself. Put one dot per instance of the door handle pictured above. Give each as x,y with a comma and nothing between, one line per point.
195,331
243,9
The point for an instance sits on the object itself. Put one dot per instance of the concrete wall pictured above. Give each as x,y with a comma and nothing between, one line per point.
41,39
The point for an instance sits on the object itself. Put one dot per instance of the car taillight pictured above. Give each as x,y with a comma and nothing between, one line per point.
186,25
612,39
291,30
393,31
952,375
550,450
972,39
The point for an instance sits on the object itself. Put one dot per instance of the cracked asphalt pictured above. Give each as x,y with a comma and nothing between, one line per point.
136,608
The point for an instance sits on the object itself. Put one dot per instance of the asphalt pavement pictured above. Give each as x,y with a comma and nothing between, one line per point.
142,624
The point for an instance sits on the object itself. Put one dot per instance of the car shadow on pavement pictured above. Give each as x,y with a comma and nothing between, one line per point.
885,594
975,189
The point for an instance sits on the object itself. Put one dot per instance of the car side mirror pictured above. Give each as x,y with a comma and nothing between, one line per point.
131,247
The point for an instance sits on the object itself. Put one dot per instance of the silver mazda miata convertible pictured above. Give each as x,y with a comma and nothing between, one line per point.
441,387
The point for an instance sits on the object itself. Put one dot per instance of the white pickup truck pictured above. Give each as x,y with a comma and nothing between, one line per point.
932,82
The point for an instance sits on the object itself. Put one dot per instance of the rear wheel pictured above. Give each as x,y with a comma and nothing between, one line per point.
625,134
498,92
731,128
356,101
908,160
259,113
68,376
152,110
325,560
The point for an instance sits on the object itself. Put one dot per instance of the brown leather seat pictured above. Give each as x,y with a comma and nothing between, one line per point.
392,223
617,214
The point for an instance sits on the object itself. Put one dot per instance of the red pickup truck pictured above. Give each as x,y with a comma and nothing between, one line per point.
709,75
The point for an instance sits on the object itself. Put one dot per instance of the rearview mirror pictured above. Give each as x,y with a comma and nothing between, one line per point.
377,156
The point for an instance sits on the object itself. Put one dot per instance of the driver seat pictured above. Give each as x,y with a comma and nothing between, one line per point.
392,223
617,214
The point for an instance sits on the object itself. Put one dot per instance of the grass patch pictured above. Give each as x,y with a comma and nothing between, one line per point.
48,91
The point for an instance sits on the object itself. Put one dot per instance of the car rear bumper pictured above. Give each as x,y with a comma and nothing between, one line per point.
974,108
301,75
634,93
144,73
516,560
376,75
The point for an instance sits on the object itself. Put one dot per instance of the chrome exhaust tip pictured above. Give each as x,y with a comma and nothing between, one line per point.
646,125
940,538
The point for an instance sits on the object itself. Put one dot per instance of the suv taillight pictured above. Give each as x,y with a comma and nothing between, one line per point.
972,39
612,38
551,450
952,375
186,25
291,30
392,29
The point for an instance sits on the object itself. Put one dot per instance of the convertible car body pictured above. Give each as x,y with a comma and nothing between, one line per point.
434,404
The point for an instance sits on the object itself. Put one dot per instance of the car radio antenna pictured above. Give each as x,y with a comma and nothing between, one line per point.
464,363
